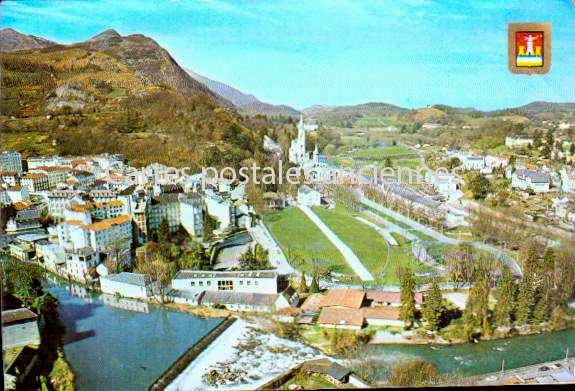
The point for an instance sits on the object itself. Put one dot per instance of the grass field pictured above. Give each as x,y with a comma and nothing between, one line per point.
364,241
28,143
381,153
298,235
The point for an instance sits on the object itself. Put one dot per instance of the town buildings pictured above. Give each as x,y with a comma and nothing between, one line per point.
11,161
307,196
125,284
524,179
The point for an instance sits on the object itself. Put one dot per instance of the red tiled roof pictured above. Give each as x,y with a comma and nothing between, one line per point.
391,297
349,298
341,317
381,313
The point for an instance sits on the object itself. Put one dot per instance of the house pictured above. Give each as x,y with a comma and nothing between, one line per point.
80,177
382,316
21,250
35,182
256,281
518,141
346,318
125,284
274,200
98,236
81,263
526,179
343,298
58,200
220,208
243,301
444,183
329,370
307,196
389,298
19,328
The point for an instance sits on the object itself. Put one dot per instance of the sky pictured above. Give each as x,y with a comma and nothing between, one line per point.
412,53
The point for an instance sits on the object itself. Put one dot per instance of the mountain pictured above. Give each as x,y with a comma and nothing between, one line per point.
11,39
246,103
121,94
235,96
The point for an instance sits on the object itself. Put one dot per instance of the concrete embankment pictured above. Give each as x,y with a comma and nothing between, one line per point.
185,359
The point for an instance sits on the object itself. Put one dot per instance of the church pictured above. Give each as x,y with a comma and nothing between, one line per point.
297,151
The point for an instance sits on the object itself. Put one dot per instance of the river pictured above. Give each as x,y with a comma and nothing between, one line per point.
486,356
121,344
111,348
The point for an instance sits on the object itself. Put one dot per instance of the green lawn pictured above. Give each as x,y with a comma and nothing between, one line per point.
419,234
364,241
381,153
298,235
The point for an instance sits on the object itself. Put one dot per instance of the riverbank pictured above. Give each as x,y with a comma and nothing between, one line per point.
252,357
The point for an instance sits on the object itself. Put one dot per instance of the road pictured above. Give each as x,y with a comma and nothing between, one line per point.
277,258
350,257
503,257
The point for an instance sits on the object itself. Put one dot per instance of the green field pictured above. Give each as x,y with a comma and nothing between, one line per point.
364,241
28,143
382,153
299,236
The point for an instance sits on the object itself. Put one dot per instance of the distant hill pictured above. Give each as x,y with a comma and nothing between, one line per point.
11,40
246,103
121,94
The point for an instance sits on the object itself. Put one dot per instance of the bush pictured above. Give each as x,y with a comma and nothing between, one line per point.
342,341
413,373
287,330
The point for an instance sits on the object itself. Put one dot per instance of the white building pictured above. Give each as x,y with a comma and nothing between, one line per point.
527,179
99,236
297,152
444,183
222,209
55,174
308,197
48,161
518,141
244,301
257,281
14,194
35,182
11,161
58,200
81,263
132,285
568,180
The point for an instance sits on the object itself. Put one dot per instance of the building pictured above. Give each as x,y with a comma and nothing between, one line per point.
329,370
568,180
526,179
48,161
382,316
297,151
55,174
389,298
446,184
222,209
19,328
343,298
132,285
14,194
81,178
307,196
26,219
59,200
11,178
518,141
35,182
99,236
256,281
11,161
345,318
81,263
243,301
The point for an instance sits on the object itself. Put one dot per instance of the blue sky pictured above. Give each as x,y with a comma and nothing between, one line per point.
412,53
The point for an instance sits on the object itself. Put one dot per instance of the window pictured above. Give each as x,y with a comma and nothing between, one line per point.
241,282
201,283
209,283
225,285
193,283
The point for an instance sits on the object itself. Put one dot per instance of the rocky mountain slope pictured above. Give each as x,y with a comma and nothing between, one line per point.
246,103
121,94
11,40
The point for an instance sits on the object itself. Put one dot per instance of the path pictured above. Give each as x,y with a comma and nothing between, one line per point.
383,232
277,258
350,257
503,257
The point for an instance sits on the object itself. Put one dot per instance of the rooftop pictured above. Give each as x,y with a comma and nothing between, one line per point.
341,317
191,274
350,298
230,297
127,278
18,315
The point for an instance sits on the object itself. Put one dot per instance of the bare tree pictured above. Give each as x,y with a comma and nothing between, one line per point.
158,271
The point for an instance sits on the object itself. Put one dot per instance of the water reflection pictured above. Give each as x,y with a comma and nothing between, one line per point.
116,343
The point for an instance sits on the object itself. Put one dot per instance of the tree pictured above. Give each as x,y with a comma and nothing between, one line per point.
314,286
480,187
407,297
433,307
255,258
475,316
303,284
388,163
572,149
526,296
164,231
157,269
210,225
505,294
